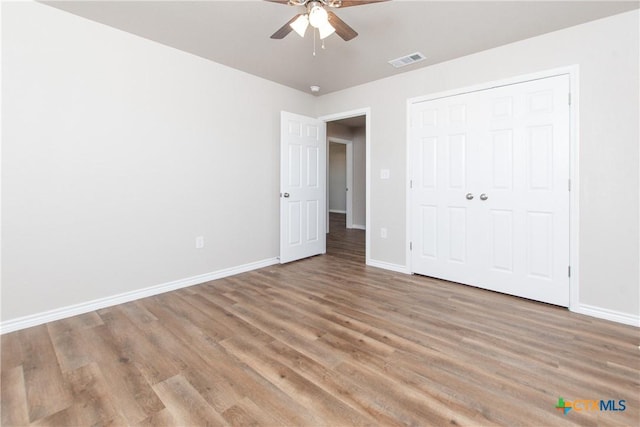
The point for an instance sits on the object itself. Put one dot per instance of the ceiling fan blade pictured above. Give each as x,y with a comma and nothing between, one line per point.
278,1
342,29
349,3
284,30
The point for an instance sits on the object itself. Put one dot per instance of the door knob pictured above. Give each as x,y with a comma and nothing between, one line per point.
483,196
286,194
469,196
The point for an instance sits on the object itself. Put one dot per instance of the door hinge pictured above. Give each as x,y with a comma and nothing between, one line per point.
569,185
569,271
410,183
569,98
410,246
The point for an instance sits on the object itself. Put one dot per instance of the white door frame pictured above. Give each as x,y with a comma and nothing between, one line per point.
346,115
574,195
349,174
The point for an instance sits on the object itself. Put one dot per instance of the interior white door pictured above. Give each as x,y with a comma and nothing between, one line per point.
490,203
442,148
302,187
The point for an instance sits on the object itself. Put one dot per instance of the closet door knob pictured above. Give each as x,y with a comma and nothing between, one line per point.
483,196
469,196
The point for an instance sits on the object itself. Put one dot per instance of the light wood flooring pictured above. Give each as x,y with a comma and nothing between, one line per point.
326,341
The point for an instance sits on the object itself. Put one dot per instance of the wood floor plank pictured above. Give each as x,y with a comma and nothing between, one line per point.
135,347
137,313
133,396
246,413
11,354
340,386
322,341
400,403
82,321
320,407
196,356
186,405
13,398
92,401
287,334
71,349
46,390
183,310
161,418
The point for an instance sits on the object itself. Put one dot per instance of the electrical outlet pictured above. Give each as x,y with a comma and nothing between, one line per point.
384,173
383,233
199,242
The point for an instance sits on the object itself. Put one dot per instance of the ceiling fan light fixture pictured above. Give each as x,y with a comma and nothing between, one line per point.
300,25
326,30
318,16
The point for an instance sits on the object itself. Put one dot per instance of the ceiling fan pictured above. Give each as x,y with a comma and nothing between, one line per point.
319,18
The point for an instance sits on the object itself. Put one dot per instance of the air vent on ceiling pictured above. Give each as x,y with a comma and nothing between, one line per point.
407,59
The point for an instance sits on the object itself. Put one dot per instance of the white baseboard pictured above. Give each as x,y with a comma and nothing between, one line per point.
358,226
388,266
337,211
604,313
86,307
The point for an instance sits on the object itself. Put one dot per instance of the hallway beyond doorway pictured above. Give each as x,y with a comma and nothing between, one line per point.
344,242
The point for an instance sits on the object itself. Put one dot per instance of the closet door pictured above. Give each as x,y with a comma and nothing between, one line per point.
490,197
446,165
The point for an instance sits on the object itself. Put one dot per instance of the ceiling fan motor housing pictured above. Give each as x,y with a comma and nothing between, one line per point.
330,3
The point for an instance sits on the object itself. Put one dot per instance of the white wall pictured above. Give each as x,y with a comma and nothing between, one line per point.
337,177
117,152
607,52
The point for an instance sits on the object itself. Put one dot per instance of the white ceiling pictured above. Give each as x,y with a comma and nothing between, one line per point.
236,33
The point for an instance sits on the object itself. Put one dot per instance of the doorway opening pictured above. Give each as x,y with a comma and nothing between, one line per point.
347,187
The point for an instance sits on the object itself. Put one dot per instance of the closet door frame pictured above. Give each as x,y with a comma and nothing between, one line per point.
573,73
